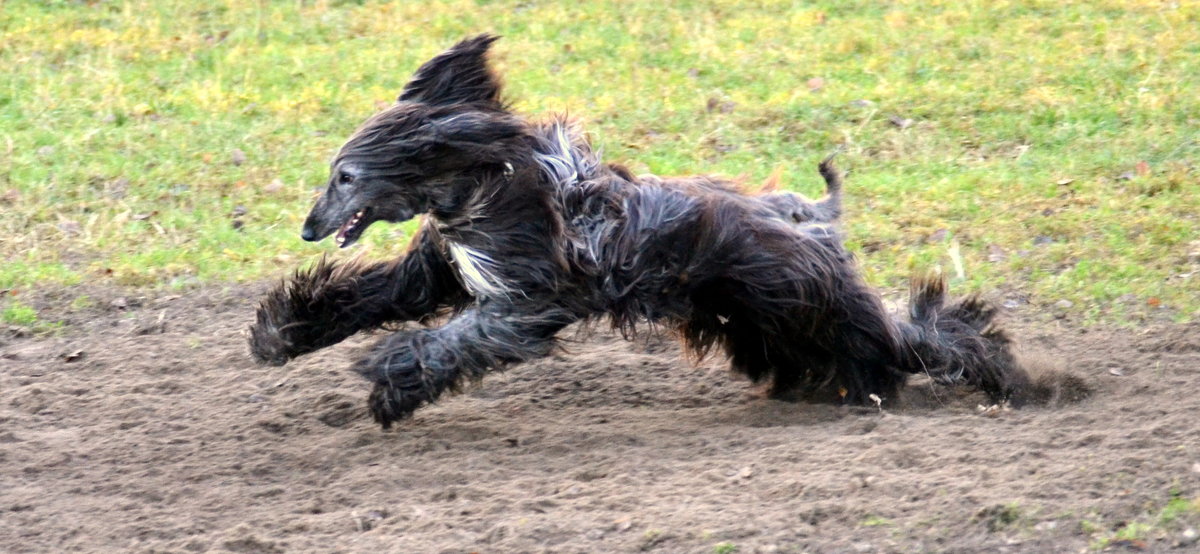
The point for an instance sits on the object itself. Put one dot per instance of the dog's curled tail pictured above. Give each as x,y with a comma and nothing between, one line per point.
959,343
830,207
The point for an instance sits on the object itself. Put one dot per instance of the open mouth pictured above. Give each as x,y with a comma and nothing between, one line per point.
352,229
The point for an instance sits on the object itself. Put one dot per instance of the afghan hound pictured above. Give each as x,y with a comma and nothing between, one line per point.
527,231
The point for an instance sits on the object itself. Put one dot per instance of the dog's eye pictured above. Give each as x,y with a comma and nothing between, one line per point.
345,178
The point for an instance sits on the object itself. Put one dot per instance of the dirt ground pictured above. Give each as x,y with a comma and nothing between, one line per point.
143,426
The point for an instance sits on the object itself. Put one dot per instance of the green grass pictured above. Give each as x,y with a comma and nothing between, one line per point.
20,315
1179,512
725,548
16,313
876,521
1031,121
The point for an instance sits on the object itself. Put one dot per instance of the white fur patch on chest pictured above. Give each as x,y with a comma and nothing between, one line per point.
477,271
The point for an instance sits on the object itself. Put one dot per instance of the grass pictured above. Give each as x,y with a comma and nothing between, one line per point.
16,313
1053,145
1179,512
26,318
725,548
876,521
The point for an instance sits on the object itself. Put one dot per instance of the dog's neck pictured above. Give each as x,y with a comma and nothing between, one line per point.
511,198
506,231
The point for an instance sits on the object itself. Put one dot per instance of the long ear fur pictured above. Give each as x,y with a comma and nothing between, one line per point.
457,76
480,137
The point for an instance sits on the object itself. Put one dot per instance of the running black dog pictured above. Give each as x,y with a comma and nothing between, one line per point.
527,231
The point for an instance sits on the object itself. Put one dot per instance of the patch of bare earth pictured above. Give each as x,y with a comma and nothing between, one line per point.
145,426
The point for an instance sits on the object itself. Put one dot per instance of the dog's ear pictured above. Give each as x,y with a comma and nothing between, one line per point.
458,75
480,137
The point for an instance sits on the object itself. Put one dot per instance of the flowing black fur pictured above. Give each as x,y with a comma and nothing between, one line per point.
528,232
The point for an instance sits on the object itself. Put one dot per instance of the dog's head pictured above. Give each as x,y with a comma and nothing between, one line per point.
426,153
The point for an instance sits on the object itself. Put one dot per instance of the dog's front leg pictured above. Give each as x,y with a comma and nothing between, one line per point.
329,302
412,368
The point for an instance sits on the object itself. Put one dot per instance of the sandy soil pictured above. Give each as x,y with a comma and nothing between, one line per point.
144,426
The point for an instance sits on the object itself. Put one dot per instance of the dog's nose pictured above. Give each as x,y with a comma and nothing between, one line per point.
308,233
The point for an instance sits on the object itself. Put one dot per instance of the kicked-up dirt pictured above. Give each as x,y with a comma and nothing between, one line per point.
144,426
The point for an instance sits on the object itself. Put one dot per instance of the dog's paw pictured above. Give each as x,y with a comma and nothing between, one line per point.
389,404
267,347
283,329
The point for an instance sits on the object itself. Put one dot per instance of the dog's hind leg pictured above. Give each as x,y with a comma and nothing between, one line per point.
412,368
844,351
328,302
791,307
802,314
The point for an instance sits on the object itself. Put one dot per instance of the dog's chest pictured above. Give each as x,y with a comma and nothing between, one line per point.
477,271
